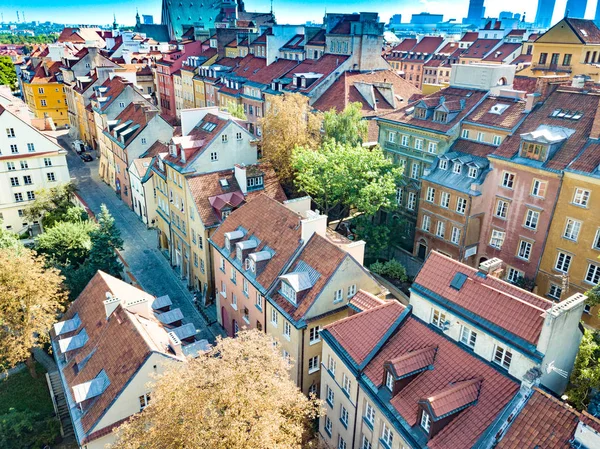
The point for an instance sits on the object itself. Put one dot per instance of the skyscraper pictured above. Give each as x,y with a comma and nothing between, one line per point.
476,11
597,18
543,16
575,9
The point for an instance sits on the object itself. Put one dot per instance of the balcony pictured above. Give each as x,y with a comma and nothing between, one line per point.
552,67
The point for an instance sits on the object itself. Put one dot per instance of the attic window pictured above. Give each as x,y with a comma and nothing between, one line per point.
389,380
441,117
420,112
534,151
425,421
208,126
224,183
255,182
498,109
288,291
444,164
458,281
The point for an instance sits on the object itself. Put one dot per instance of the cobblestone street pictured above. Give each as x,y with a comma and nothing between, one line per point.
149,267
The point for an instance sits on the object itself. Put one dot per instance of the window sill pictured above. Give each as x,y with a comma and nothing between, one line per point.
246,319
234,306
314,342
368,423
337,301
223,294
258,307
579,205
327,431
314,370
384,444
273,324
287,337
344,424
329,403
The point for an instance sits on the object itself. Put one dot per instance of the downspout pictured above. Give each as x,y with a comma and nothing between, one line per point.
355,413
301,364
461,250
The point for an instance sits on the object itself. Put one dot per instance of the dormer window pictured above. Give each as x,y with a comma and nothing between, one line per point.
425,421
254,182
420,112
456,168
444,164
249,264
389,381
227,244
534,151
441,117
288,291
472,172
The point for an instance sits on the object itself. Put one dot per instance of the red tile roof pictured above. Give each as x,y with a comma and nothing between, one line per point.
428,45
341,28
480,48
139,115
586,30
525,83
359,334
118,345
470,36
545,422
413,361
584,102
522,59
407,44
454,397
501,53
473,148
268,73
205,186
46,72
448,49
318,39
325,65
589,159
508,119
281,232
516,32
517,311
405,115
363,300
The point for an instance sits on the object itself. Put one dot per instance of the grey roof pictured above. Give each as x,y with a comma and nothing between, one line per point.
159,33
92,388
183,15
171,316
185,331
162,301
460,182
74,342
302,278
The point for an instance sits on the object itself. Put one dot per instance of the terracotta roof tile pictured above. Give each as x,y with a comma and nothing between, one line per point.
586,30
471,99
407,44
414,361
325,65
589,159
455,397
205,186
361,333
510,117
517,311
363,300
545,422
480,48
501,53
470,36
586,103
281,232
525,83
428,45
318,39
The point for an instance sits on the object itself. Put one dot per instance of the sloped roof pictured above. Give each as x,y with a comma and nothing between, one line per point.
470,36
318,39
545,422
586,103
484,114
205,186
514,310
480,48
405,115
324,66
588,160
586,30
324,257
281,232
46,72
501,53
407,44
137,115
363,300
360,334
118,345
428,45
455,397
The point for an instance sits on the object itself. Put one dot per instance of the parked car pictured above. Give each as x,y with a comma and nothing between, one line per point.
86,157
79,146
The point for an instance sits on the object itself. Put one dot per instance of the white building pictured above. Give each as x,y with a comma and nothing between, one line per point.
29,161
505,325
111,342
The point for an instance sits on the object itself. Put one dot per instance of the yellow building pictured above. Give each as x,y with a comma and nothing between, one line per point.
571,260
187,86
199,92
572,47
44,92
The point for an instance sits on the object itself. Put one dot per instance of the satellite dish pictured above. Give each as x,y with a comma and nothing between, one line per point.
551,368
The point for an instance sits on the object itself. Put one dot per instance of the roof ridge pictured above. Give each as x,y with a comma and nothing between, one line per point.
511,296
363,313
456,386
413,353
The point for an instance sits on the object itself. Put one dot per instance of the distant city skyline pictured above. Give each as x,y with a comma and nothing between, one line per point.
286,11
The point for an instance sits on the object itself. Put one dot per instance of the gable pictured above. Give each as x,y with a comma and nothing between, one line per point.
348,273
561,33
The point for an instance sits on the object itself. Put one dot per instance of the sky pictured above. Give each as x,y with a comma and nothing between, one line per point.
100,12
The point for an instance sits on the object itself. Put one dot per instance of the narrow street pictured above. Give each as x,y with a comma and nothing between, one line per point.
141,254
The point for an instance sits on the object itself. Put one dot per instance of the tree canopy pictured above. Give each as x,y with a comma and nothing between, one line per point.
238,395
54,204
31,295
347,126
8,75
66,243
343,177
289,122
106,240
585,377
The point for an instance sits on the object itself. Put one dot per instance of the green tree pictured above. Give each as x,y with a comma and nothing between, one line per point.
593,296
66,243
8,75
31,295
342,177
236,110
53,205
106,241
347,126
8,239
27,429
585,377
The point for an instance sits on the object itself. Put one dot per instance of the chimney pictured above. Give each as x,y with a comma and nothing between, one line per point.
110,304
530,102
578,82
175,344
595,132
240,177
492,267
313,223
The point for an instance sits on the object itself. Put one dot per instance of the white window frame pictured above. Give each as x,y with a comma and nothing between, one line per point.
425,422
387,435
440,229
572,229
501,209
555,291
460,201
430,195
524,249
287,330
389,380
465,134
581,197
593,272
314,335
438,318
566,262
411,204
538,186
432,147
505,353
313,364
455,237
426,223
497,236
445,200
532,218
274,318
508,180
468,336
497,140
